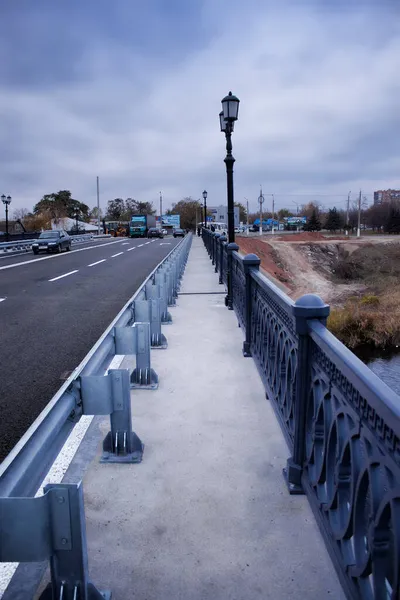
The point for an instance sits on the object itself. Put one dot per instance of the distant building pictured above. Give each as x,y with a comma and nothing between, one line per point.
219,214
386,196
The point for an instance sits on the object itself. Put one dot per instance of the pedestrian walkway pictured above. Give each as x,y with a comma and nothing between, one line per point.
206,515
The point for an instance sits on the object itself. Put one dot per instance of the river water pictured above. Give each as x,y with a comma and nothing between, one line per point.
388,369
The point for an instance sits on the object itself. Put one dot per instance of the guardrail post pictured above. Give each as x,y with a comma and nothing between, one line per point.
250,262
232,247
135,340
161,282
143,376
213,240
222,239
111,395
309,306
51,526
148,310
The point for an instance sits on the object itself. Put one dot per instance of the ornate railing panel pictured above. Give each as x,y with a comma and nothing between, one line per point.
239,288
341,422
274,347
224,263
352,467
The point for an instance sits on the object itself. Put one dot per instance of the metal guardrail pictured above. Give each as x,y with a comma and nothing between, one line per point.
53,526
341,423
26,245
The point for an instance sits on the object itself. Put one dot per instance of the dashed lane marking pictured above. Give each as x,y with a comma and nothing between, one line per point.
98,262
65,275
34,260
118,254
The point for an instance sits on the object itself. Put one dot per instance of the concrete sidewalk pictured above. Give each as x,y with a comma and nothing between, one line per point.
206,515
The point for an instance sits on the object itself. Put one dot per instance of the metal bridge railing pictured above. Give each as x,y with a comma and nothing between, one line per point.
52,526
341,423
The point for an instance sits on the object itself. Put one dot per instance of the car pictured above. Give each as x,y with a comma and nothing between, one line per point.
155,232
55,240
179,233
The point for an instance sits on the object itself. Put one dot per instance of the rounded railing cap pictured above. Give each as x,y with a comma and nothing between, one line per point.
310,301
252,258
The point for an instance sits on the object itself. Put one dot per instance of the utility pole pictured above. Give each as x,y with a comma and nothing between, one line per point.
297,207
98,206
260,200
161,210
247,216
347,213
359,215
273,213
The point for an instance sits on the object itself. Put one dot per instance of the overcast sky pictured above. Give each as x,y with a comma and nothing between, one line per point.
130,90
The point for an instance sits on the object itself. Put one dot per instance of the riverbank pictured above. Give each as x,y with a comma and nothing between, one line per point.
358,277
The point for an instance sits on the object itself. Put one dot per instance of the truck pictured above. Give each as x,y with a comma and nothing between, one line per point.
140,224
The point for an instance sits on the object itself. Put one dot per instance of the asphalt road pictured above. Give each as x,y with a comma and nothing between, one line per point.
53,308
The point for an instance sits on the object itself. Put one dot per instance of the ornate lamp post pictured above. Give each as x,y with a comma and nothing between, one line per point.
227,118
205,208
6,200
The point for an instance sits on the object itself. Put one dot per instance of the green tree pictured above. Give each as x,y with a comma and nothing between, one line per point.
313,223
187,208
242,212
60,205
284,212
392,224
94,213
115,209
334,220
145,208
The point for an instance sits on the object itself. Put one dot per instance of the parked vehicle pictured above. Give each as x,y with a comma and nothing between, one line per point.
140,224
179,233
55,240
117,228
154,232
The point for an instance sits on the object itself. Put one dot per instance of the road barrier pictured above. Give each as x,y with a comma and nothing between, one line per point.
53,526
341,422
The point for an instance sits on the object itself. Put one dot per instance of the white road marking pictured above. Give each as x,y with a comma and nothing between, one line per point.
114,255
98,262
2,299
140,245
147,243
129,249
65,275
34,260
124,243
165,243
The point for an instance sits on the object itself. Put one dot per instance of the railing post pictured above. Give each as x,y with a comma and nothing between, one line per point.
51,526
309,306
217,236
232,247
250,262
222,239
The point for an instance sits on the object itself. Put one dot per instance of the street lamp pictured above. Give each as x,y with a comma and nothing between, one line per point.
6,200
227,118
260,202
205,208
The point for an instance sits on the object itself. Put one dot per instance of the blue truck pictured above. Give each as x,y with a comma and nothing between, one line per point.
140,224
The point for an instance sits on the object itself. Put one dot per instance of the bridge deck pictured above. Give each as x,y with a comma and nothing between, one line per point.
206,515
